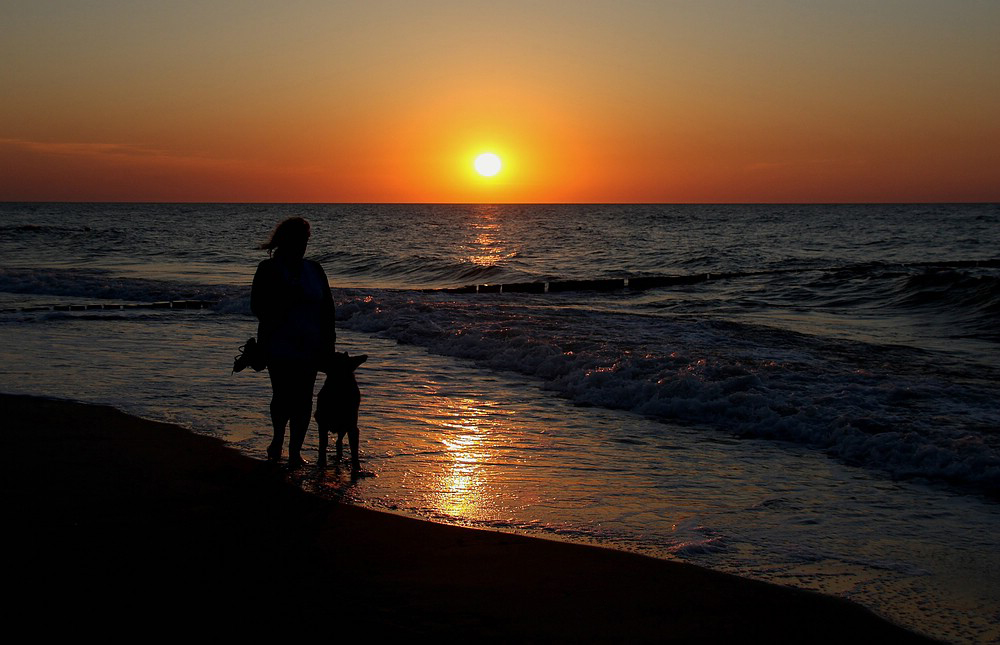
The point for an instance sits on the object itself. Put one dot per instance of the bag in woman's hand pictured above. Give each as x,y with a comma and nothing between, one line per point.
251,354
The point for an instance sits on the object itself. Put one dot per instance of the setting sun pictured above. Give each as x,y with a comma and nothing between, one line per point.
487,164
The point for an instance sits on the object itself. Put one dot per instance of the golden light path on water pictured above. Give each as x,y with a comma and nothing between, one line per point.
486,248
462,487
469,467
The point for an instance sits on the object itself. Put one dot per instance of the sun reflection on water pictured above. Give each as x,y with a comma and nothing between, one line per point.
467,432
487,247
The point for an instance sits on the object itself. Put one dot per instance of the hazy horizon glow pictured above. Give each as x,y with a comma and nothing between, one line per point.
388,101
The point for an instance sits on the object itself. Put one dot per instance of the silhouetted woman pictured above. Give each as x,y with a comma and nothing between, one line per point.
291,298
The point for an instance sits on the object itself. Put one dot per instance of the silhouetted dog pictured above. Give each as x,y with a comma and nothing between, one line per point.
337,406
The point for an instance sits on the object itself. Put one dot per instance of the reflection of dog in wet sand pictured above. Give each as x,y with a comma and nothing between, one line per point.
337,406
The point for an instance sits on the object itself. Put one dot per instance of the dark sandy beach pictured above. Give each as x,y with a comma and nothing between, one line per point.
122,527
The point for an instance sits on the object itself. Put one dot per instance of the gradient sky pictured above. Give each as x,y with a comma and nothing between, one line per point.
585,101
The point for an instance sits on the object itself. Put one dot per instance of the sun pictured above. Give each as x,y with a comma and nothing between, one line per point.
487,164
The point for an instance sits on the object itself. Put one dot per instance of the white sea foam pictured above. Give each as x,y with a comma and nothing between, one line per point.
902,421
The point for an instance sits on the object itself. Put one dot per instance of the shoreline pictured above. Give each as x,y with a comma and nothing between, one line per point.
122,523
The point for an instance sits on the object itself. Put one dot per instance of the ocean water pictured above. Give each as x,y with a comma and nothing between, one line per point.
801,394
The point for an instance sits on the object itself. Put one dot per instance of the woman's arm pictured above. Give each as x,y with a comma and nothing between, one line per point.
260,291
329,312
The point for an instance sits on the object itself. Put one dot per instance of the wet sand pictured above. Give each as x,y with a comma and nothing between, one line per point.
131,528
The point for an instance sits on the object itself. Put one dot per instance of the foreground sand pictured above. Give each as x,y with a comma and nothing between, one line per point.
133,529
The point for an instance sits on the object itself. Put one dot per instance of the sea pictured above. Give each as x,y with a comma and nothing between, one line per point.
803,394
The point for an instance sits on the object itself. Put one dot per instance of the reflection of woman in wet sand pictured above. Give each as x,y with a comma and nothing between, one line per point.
291,298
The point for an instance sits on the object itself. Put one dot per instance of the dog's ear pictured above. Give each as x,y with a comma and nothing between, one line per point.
331,362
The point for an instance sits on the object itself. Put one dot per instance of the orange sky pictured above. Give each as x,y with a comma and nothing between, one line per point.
308,100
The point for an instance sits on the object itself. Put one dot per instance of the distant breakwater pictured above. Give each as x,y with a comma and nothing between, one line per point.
634,283
170,304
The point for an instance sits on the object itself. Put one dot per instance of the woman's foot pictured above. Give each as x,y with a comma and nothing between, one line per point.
273,453
294,461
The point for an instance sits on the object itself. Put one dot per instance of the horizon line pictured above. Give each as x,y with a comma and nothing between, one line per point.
581,203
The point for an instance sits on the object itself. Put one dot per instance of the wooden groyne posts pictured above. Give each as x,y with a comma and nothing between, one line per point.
104,306
601,284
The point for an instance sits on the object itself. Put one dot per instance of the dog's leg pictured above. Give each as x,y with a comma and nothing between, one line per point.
340,445
353,437
324,440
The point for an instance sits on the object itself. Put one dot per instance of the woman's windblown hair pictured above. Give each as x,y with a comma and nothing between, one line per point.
289,232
